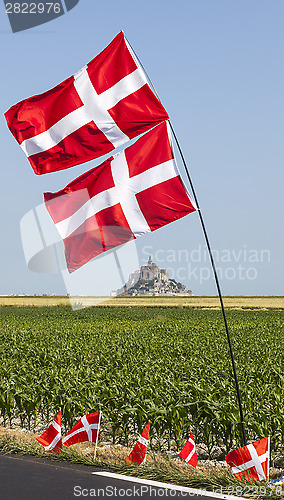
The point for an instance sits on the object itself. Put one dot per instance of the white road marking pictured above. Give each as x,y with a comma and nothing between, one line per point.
166,486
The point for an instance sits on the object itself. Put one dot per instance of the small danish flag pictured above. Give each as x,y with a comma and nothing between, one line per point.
138,454
188,453
86,429
51,438
250,462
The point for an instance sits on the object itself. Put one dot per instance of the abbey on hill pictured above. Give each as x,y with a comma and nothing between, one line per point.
151,280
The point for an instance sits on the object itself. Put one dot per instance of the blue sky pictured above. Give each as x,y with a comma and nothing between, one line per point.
218,68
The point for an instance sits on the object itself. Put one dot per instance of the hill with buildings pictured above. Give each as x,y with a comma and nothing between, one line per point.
152,281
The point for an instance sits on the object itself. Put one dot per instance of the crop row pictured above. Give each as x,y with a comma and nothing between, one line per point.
171,366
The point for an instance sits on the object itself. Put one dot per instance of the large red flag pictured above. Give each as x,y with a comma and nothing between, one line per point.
102,106
250,462
133,193
51,438
138,454
86,429
188,453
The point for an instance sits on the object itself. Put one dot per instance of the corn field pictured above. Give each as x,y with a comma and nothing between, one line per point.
167,365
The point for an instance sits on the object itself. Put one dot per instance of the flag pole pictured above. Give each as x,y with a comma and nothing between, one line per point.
268,462
97,438
95,451
218,287
210,255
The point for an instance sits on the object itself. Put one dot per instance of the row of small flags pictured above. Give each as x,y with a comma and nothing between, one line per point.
249,462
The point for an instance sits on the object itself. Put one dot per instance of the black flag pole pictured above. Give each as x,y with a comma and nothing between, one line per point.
217,285
210,255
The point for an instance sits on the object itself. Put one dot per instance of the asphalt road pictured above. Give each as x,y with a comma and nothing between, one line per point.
31,478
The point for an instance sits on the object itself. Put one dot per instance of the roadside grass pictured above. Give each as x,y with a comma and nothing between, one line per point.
158,467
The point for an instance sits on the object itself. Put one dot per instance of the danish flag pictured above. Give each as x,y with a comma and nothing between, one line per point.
133,193
51,438
188,453
88,115
86,429
251,462
138,454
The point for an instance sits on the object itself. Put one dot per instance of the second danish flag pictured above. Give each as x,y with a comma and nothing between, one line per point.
133,193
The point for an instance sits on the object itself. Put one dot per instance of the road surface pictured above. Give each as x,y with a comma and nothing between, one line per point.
25,477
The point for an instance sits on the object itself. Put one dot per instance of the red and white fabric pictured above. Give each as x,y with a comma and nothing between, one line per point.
133,193
251,462
51,438
86,429
138,454
188,453
102,106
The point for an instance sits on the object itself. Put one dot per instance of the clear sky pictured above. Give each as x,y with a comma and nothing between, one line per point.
218,68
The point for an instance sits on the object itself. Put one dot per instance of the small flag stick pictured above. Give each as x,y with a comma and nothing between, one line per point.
268,462
95,451
96,443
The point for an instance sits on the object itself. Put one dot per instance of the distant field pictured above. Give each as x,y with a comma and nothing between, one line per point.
193,302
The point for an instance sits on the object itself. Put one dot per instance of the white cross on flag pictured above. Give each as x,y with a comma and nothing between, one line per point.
86,429
250,462
138,454
88,115
133,193
51,438
188,453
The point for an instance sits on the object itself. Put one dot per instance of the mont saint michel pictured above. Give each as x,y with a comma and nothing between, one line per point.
150,280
